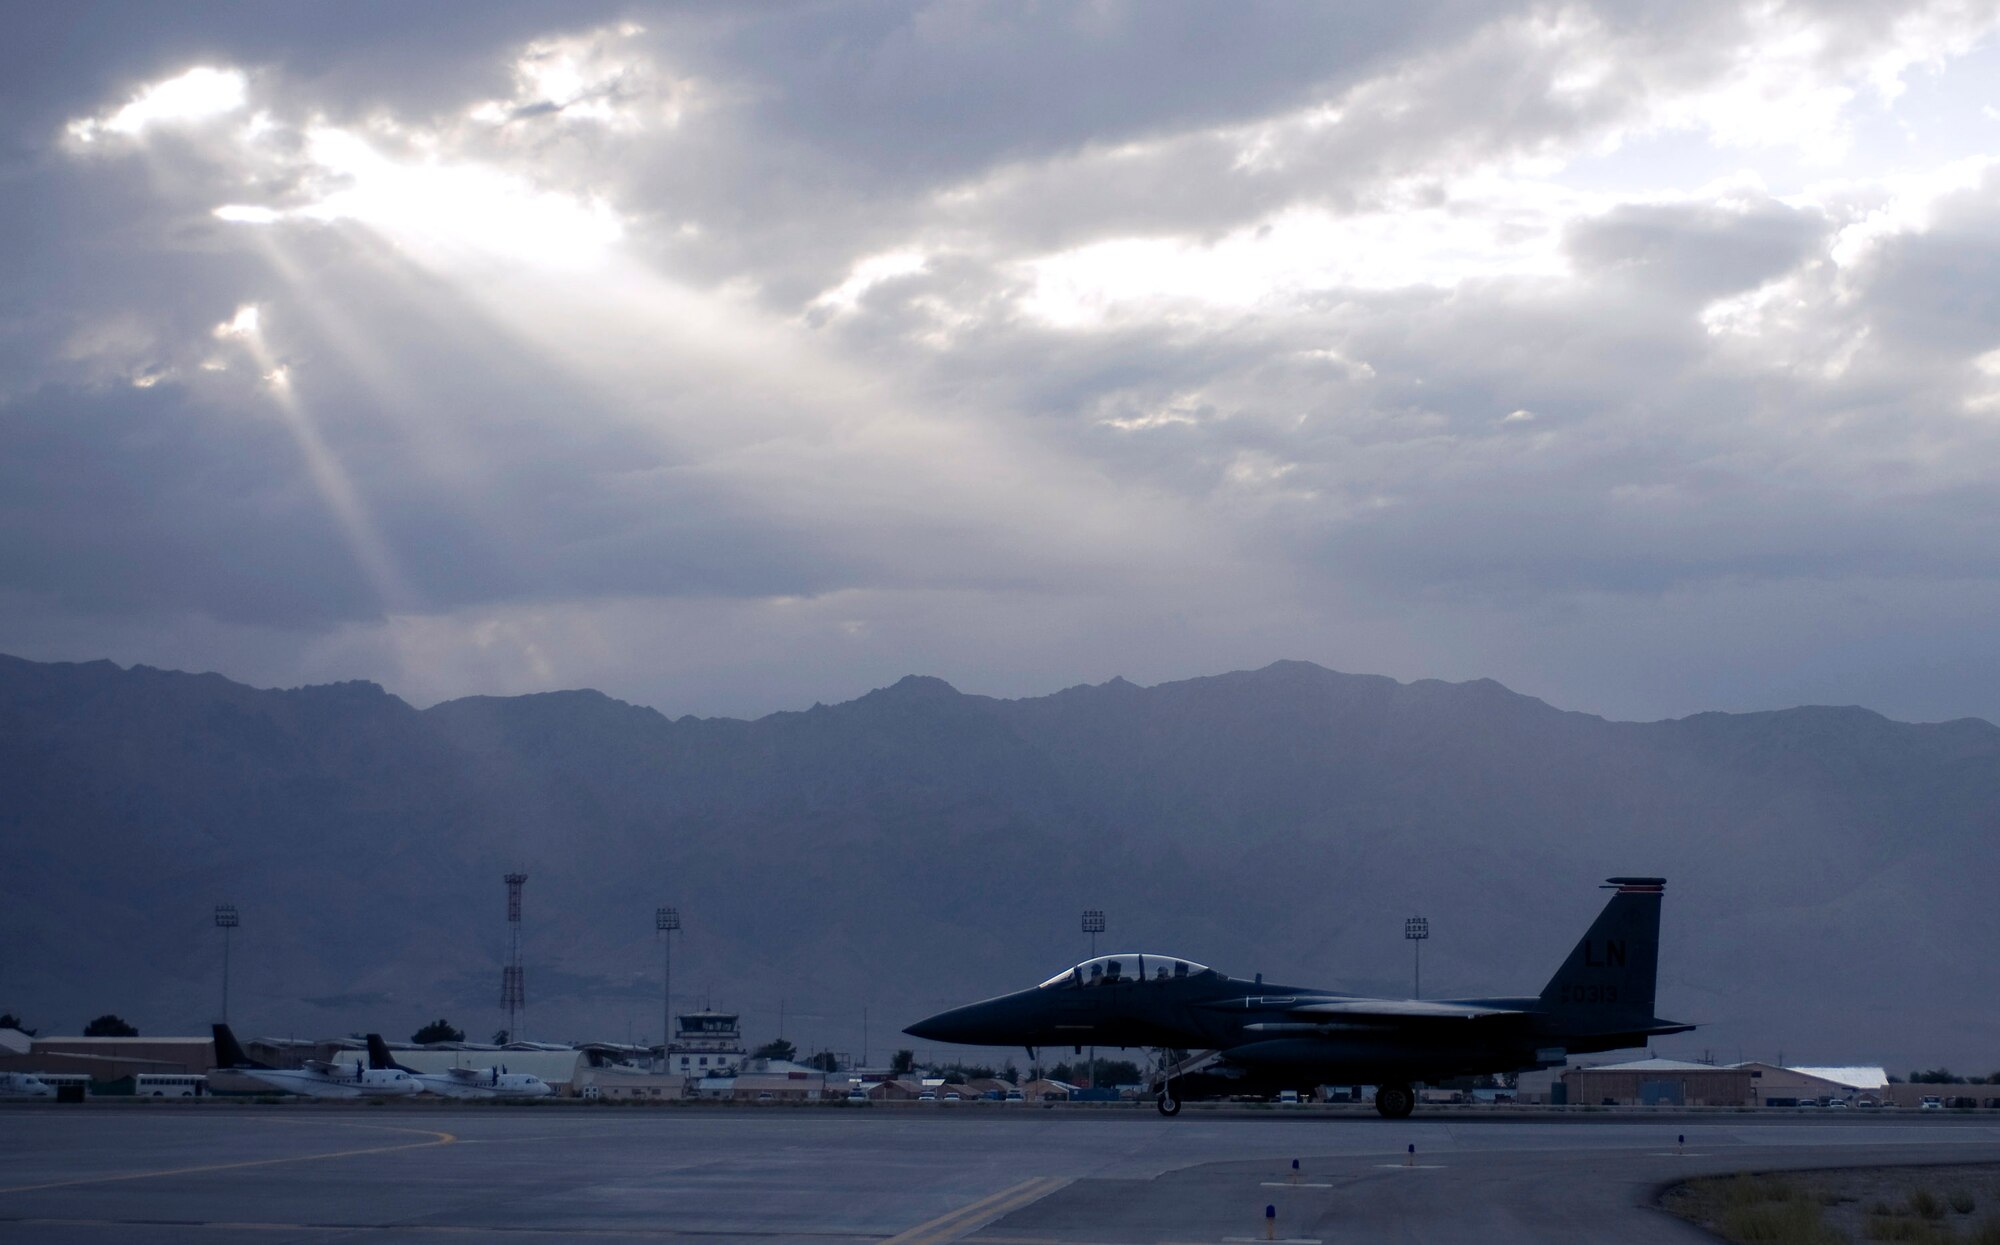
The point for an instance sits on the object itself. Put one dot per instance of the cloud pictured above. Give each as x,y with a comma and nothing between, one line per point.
1041,343
200,95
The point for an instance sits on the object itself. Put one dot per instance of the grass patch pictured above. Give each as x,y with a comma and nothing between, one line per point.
1924,1205
1754,1209
1905,1228
1790,1222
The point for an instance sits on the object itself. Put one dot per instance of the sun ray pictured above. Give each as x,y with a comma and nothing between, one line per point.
329,477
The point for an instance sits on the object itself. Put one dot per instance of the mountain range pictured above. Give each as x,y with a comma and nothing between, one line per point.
1833,881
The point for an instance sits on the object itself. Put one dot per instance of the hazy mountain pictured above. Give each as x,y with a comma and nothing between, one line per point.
1831,895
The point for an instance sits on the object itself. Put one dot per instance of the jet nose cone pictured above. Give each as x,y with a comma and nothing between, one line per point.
991,1023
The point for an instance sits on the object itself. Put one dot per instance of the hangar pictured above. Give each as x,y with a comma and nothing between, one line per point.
1657,1083
1671,1082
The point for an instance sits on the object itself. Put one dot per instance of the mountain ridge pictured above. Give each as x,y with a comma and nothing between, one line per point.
1283,819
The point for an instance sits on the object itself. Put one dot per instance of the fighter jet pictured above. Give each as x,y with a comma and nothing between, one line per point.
1219,1036
317,1079
494,1082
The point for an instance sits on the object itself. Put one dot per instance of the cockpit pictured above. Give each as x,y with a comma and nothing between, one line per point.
1126,969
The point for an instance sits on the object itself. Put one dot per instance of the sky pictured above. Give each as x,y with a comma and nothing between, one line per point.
729,357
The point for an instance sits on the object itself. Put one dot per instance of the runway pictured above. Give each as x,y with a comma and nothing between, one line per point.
1004,1176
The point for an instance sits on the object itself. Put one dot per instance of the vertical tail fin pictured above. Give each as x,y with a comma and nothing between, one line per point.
228,1054
379,1057
1611,972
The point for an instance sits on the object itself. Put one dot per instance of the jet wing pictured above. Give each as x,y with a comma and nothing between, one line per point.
1393,1011
466,1074
324,1068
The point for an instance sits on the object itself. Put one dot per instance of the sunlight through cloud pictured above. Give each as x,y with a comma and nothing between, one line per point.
445,209
197,95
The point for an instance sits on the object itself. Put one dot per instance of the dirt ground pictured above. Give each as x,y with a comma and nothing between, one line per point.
1927,1205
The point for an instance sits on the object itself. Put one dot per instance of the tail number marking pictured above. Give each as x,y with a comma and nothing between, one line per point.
1590,994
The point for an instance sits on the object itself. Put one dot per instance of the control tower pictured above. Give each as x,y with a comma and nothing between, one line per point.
706,1043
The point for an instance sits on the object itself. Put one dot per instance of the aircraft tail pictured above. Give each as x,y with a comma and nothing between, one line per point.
1609,977
228,1053
379,1057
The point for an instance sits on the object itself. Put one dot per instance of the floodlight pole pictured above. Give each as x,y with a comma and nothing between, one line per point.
666,921
513,992
225,920
1093,924
1416,929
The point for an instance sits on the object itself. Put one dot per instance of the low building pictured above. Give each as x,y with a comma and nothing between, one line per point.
1047,1091
643,1087
780,1087
1657,1083
276,1052
108,1060
1912,1094
893,1091
1773,1085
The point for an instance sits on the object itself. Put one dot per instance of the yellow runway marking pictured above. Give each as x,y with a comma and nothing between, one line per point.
949,1227
437,1139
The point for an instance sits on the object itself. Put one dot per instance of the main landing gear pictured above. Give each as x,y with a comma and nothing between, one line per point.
1169,1105
1395,1101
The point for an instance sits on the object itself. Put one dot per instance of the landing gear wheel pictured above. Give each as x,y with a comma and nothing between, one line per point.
1169,1105
1394,1102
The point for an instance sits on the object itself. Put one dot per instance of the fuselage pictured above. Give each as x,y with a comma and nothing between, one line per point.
24,1085
1266,1031
369,1083
484,1083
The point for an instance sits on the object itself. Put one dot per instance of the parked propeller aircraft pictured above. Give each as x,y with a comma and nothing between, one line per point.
317,1079
1219,1036
494,1082
24,1085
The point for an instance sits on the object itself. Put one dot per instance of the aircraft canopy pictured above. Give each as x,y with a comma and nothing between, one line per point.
1126,968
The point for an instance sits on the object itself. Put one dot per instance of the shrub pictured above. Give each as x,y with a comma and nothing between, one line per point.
1902,1228
1790,1222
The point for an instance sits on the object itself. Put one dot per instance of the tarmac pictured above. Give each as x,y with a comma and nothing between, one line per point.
1004,1175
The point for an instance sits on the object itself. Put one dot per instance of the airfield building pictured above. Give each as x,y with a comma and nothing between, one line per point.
1670,1082
706,1044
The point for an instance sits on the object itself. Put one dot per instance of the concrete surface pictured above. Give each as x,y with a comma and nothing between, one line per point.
1004,1176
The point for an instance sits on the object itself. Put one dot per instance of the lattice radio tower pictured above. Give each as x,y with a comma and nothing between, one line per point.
513,995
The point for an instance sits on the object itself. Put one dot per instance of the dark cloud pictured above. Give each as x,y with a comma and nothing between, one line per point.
1370,354
1696,251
